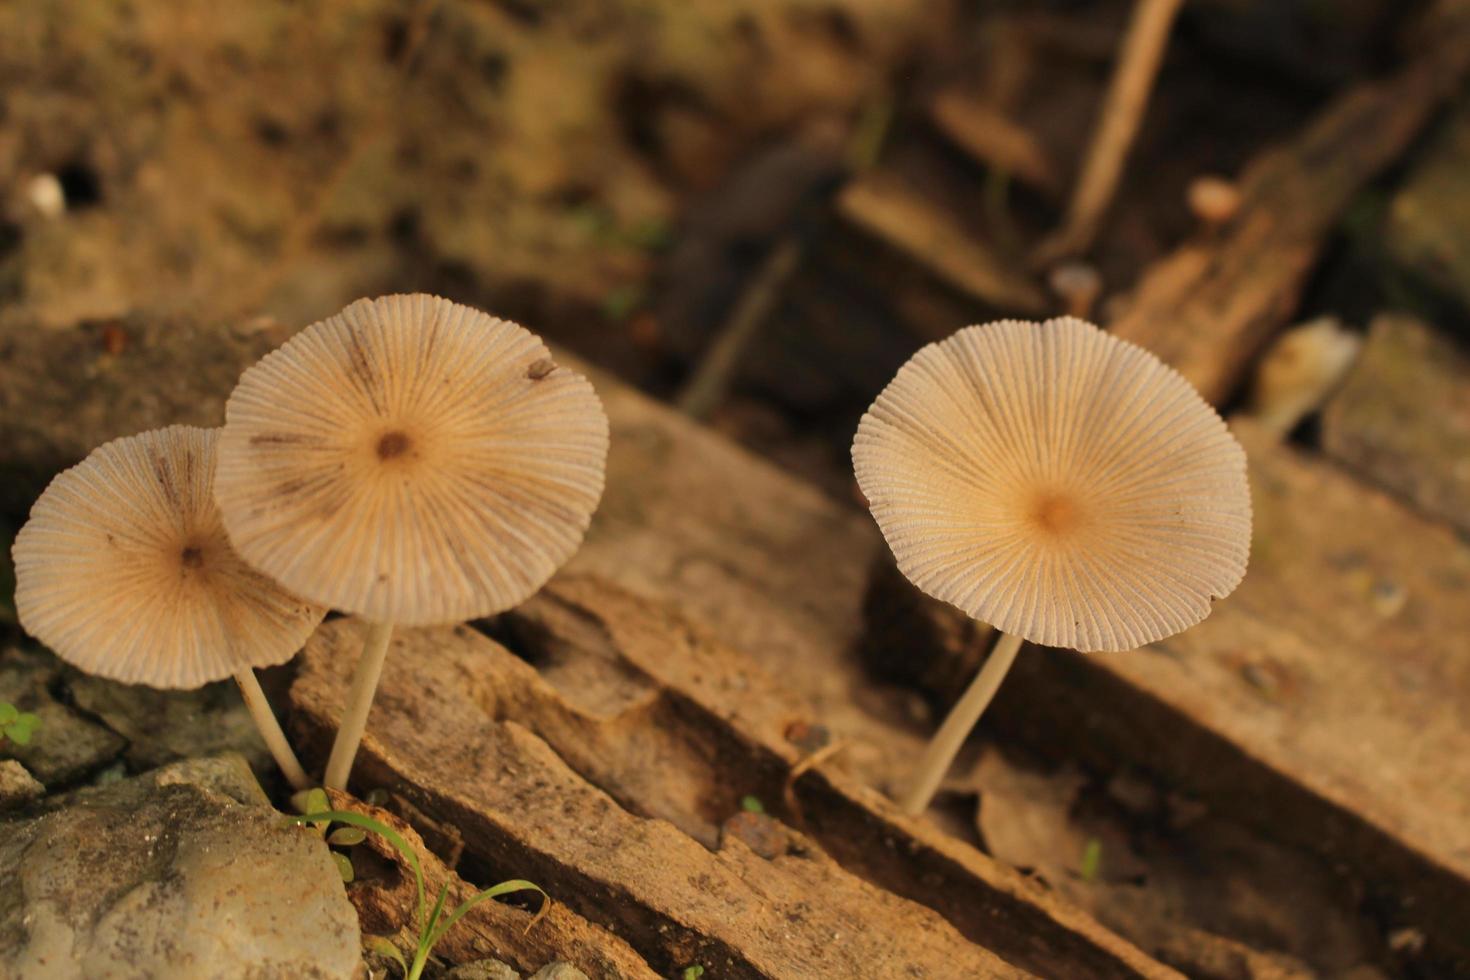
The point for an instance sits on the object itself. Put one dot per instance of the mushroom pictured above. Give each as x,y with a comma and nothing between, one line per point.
1213,200
1077,285
1061,484
125,571
412,461
46,195
1299,372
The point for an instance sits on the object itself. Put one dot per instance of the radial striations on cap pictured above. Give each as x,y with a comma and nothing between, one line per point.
411,460
1058,483
125,571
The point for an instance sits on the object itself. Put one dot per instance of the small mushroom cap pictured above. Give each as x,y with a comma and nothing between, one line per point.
1077,284
1057,482
411,460
1299,371
125,571
1213,199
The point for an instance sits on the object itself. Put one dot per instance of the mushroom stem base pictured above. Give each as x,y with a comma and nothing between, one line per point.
945,744
270,729
359,701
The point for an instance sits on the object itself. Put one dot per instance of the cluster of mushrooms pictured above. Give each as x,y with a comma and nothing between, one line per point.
412,461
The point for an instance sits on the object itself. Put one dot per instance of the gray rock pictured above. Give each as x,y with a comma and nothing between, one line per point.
67,745
165,726
223,775
183,872
482,970
17,787
559,971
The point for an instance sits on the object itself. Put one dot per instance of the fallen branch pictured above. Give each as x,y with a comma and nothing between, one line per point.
1209,307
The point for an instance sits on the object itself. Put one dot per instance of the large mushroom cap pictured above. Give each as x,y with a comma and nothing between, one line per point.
124,570
1058,483
411,460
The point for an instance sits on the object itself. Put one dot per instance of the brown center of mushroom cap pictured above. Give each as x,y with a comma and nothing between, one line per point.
394,444
192,556
1057,513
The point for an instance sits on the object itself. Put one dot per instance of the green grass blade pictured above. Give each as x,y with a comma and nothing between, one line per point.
495,891
384,948
433,919
1092,859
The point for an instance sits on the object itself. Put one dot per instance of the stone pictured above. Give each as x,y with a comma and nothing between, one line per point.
1402,420
490,970
764,836
172,371
66,746
559,971
166,726
185,871
17,786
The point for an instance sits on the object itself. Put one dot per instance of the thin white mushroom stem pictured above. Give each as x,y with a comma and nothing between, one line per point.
359,701
270,729
945,744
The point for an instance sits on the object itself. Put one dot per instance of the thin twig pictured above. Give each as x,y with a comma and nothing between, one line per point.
788,791
710,384
1127,99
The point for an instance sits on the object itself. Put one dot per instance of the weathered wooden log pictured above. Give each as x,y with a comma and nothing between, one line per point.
1402,418
457,731
1322,703
1358,601
63,392
384,895
778,572
767,731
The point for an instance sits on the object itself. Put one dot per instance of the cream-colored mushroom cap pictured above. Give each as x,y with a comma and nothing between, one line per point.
125,571
1058,483
411,460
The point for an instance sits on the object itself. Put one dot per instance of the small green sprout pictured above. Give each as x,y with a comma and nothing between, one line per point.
649,234
433,923
1092,859
384,947
599,225
752,804
621,301
315,801
693,972
16,725
312,801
